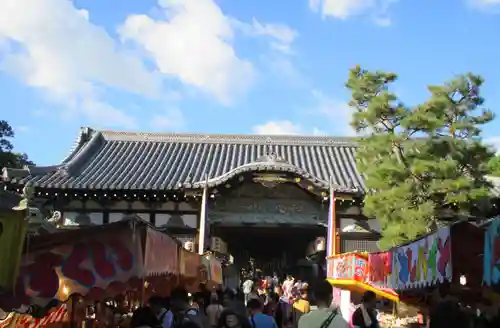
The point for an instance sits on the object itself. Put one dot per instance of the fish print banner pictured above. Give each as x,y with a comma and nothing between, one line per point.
423,262
77,267
491,269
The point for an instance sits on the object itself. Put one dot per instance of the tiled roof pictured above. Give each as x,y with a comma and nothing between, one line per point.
111,160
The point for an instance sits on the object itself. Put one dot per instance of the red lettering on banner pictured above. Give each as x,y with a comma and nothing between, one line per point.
101,263
444,255
72,267
125,258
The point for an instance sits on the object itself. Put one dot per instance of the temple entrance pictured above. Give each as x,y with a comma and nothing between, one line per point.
272,249
268,227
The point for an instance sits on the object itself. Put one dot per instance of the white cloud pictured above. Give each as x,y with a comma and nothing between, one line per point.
104,113
194,44
22,129
337,113
171,119
58,50
281,36
489,6
494,142
334,116
280,39
344,9
284,127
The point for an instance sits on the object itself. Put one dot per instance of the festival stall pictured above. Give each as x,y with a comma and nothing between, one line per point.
88,266
93,262
351,272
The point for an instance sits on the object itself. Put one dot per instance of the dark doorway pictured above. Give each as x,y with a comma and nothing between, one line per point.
270,249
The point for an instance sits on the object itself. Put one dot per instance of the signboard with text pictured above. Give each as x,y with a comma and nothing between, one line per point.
349,266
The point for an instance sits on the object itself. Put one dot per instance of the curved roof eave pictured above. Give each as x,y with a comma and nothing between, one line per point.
268,166
83,145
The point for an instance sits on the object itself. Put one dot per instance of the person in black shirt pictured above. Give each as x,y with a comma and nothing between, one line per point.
365,316
447,311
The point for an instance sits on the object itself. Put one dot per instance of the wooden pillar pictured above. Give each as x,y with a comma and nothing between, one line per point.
332,241
338,246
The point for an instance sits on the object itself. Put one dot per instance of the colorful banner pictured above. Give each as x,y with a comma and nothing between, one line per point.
380,269
77,266
161,255
189,263
491,269
423,262
57,315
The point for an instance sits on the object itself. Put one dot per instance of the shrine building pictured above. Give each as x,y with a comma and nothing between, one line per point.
266,197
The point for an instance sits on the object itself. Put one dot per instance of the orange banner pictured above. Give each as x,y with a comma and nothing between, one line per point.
161,255
189,263
215,271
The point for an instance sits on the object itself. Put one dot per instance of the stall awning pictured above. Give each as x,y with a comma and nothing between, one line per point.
93,262
350,271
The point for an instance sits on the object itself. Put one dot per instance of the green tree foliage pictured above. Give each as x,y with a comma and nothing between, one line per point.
8,158
419,160
494,166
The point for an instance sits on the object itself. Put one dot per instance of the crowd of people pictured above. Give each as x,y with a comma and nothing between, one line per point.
267,303
258,304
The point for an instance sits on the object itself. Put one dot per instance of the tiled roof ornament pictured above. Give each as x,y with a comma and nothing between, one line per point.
271,158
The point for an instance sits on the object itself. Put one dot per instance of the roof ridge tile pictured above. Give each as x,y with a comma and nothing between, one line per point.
227,138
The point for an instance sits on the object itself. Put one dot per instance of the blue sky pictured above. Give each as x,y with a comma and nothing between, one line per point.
225,66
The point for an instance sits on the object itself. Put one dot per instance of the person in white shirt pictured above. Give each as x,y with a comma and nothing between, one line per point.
214,310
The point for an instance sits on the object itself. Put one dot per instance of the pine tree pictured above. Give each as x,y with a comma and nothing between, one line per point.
494,166
421,159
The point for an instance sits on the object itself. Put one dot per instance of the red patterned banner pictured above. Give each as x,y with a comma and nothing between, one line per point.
89,264
380,271
161,256
189,263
